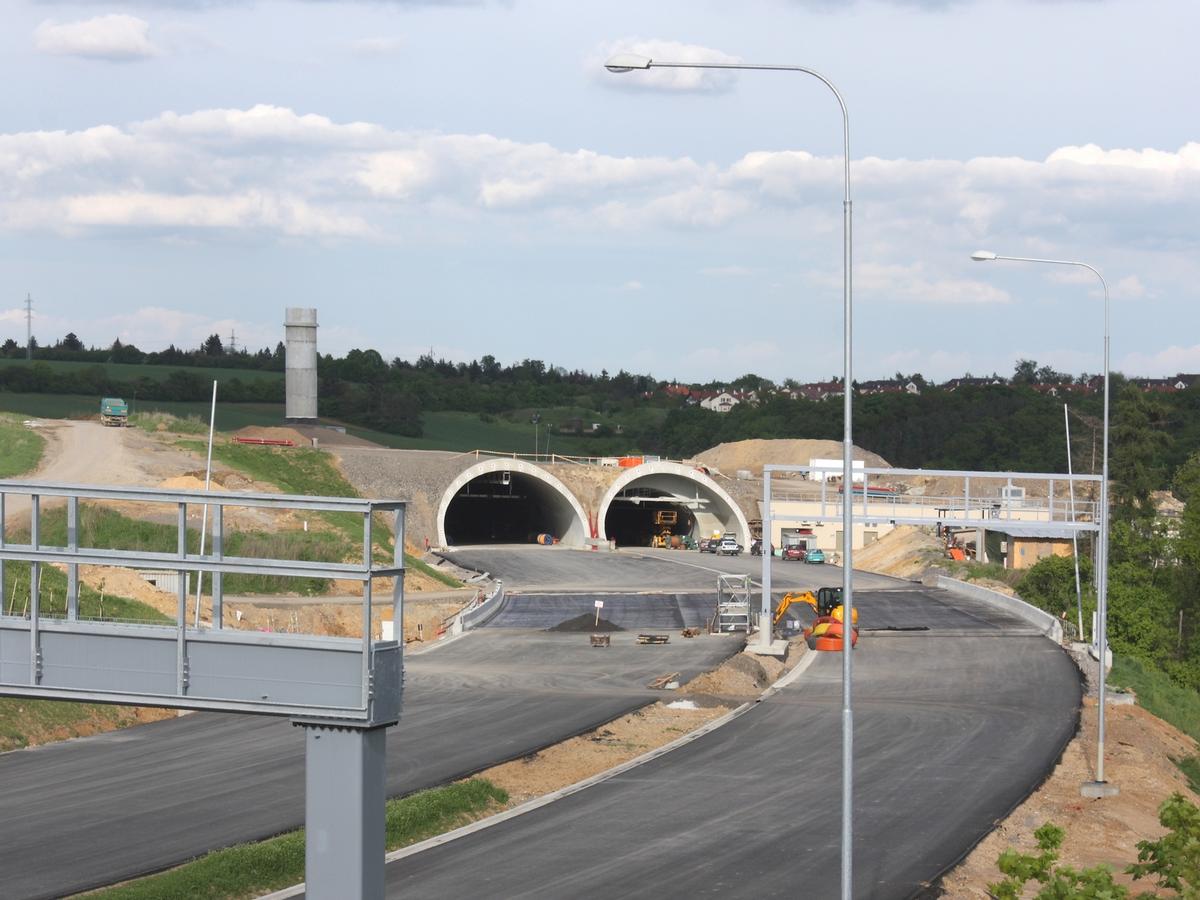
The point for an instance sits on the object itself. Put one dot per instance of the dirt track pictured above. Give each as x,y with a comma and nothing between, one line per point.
88,453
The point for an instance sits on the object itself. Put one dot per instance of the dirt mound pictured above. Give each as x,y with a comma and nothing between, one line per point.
273,434
586,622
904,552
752,455
188,483
741,676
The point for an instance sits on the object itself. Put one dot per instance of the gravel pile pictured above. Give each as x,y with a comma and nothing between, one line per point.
586,622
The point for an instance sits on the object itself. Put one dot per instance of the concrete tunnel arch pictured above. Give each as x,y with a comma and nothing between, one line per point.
668,484
512,501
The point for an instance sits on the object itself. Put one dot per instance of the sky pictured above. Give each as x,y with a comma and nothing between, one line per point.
466,178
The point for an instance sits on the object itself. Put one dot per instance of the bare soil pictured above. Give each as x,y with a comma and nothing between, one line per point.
1138,760
904,552
752,455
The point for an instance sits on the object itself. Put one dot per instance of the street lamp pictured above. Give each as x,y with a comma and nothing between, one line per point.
1099,787
628,62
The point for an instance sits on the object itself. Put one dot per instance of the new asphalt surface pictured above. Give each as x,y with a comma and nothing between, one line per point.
92,811
954,726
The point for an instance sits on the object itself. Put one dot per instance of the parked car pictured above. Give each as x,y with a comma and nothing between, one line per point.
815,556
794,551
707,545
729,547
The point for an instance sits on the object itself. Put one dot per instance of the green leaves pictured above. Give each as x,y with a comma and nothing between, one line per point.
1173,861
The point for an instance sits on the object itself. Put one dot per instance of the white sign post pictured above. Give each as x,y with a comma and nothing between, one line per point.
599,606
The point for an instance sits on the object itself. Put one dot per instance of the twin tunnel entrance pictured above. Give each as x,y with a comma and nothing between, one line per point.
507,501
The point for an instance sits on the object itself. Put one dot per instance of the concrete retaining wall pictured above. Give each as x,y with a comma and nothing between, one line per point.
481,614
1038,618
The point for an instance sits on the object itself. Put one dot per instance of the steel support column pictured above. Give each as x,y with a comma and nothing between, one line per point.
344,812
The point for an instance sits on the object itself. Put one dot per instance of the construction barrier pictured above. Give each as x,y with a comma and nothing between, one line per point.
1050,626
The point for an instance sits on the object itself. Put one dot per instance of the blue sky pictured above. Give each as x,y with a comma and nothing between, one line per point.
466,177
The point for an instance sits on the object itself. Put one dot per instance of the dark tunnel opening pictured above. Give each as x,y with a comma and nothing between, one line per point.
648,519
507,508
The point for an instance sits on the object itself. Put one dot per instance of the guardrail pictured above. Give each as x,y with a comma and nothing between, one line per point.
187,666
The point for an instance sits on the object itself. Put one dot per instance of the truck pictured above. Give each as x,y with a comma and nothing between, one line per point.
114,411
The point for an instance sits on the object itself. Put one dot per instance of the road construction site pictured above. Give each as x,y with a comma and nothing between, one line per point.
961,710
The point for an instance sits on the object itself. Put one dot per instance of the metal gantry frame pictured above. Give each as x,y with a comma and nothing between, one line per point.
966,510
344,692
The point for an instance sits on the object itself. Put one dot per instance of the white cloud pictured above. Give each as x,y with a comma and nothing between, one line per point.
1170,361
666,79
632,286
115,37
910,283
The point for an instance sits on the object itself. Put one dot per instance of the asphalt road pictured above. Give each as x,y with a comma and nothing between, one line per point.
529,568
97,810
953,727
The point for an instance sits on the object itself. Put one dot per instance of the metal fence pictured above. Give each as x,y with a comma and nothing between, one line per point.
190,666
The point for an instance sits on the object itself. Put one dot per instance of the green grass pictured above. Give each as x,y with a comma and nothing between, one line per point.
421,566
20,447
463,431
299,470
1190,766
251,869
132,371
1158,694
154,421
23,721
230,416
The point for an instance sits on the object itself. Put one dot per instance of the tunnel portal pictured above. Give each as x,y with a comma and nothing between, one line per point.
509,502
644,517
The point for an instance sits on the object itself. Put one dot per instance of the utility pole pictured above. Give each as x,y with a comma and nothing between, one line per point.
232,341
28,327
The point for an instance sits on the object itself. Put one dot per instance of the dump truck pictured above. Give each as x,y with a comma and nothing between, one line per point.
114,411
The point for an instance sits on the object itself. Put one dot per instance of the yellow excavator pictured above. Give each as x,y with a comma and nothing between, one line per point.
826,631
664,520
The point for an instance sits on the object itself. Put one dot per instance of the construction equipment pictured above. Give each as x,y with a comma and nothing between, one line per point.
664,521
114,411
825,633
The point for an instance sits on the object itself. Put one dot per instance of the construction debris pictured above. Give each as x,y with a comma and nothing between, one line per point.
653,638
663,681
691,632
601,640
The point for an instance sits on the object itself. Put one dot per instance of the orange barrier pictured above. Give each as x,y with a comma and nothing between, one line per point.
628,462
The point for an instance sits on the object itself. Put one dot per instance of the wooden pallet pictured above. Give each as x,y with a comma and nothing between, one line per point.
601,640
653,638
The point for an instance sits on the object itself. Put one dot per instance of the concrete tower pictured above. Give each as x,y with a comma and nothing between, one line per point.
300,335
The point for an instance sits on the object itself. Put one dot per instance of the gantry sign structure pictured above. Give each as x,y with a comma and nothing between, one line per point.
344,691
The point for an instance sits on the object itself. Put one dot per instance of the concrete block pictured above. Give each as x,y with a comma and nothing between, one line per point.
1098,790
776,648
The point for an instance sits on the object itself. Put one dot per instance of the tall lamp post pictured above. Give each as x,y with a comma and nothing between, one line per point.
627,62
1099,787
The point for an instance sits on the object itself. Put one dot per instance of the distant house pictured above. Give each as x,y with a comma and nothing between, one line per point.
887,386
955,383
817,390
722,402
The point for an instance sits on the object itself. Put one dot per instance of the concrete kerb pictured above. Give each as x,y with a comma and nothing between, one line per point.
1050,626
529,806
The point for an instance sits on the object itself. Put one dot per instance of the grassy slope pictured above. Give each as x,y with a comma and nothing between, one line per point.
252,869
297,470
20,447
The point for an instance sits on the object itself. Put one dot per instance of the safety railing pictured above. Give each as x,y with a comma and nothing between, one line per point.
182,664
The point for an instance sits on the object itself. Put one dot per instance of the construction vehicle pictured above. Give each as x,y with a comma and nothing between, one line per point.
825,633
664,521
114,411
